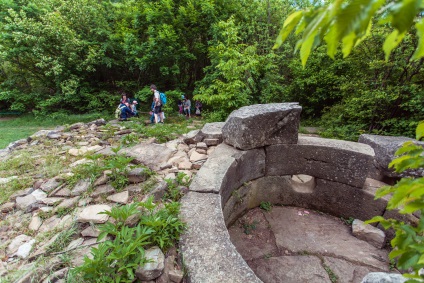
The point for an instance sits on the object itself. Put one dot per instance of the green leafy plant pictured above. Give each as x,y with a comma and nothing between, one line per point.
347,221
331,274
407,196
248,228
349,23
116,260
265,205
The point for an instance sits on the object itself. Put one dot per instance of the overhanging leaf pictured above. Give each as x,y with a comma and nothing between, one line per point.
391,42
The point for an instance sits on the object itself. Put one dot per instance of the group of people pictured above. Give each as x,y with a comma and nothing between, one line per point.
128,108
184,107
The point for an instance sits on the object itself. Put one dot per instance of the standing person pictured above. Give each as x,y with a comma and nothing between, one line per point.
180,106
198,106
158,111
156,95
187,106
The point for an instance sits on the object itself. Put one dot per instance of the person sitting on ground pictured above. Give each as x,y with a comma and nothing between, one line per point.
124,98
180,106
133,107
125,111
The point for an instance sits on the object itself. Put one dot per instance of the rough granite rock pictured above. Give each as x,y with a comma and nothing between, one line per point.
91,214
153,269
291,269
151,155
385,148
262,124
227,169
212,131
381,277
205,246
368,233
334,160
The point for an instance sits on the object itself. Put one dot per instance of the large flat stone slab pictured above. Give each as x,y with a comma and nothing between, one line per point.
252,237
298,232
334,160
345,271
262,124
150,154
290,269
385,148
206,248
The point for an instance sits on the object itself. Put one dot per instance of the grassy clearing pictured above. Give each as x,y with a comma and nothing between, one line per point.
26,125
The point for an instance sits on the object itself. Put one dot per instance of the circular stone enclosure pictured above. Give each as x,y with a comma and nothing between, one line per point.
316,173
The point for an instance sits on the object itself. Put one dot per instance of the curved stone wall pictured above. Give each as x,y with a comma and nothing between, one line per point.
233,181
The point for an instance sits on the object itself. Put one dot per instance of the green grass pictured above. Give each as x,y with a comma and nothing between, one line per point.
23,126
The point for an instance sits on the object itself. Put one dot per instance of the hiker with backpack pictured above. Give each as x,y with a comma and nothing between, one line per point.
160,99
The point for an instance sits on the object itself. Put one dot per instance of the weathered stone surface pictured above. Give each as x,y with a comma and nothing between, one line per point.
103,190
291,269
271,189
227,169
39,195
346,271
327,239
176,276
211,142
334,160
24,202
158,191
49,224
121,197
151,155
385,148
257,242
25,249
68,203
91,214
80,162
262,124
154,268
52,201
185,165
195,156
368,233
16,243
303,183
193,137
35,223
90,231
7,207
137,175
76,126
80,187
50,185
17,143
98,122
212,131
101,180
381,277
206,248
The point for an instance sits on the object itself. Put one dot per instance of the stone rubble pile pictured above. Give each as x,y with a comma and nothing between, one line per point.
34,217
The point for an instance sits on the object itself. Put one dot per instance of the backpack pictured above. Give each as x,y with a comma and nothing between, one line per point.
163,98
118,112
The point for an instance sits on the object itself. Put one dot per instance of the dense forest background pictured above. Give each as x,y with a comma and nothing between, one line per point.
77,56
